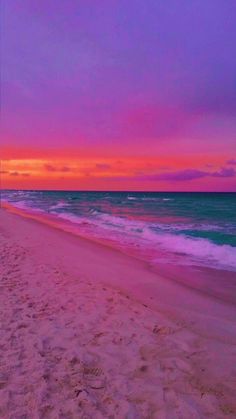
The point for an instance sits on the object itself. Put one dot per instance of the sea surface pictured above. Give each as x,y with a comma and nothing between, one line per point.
182,228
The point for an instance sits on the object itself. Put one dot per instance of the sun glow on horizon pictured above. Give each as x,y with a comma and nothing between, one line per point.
136,173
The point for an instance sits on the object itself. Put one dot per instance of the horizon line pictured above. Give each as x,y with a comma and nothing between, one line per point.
108,191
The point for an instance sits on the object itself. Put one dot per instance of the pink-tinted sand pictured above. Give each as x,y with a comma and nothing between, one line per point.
88,332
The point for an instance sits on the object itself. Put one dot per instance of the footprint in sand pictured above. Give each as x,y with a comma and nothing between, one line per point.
3,380
162,330
94,377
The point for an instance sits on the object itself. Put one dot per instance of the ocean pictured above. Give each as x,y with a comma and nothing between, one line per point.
197,229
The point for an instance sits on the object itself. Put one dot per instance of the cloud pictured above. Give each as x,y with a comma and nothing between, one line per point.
19,174
232,161
51,168
224,172
180,175
103,166
3,172
65,169
189,174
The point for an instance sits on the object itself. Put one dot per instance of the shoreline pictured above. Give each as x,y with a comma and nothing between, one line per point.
179,274
167,348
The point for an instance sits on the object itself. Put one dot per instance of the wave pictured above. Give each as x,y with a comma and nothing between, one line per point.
22,205
203,250
156,226
156,199
60,204
72,218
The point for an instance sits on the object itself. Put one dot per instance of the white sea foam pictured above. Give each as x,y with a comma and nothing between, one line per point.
122,222
21,205
68,217
202,249
25,206
114,220
60,204
72,218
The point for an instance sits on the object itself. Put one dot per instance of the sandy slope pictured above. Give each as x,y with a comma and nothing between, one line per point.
72,347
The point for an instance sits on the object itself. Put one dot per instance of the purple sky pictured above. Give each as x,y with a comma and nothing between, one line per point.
125,77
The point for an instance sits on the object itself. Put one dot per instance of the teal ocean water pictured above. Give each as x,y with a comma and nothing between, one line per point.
183,228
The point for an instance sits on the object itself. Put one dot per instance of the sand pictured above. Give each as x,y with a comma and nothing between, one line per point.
87,332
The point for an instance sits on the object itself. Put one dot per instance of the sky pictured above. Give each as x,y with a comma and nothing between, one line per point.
118,95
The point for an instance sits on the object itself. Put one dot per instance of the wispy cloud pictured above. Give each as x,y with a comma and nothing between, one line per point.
65,169
15,173
224,172
103,166
189,174
180,175
51,168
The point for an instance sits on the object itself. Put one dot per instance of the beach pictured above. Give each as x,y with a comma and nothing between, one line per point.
89,332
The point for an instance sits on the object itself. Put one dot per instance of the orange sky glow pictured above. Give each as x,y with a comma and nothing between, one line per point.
42,170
